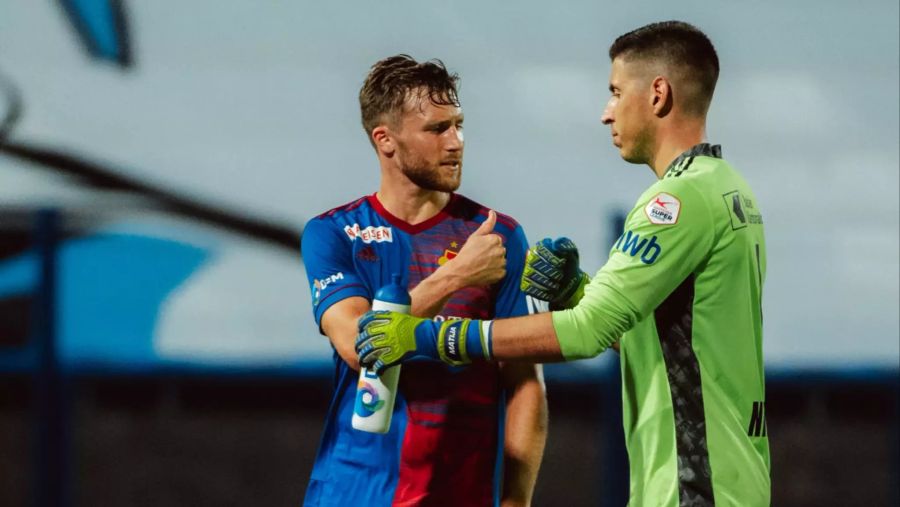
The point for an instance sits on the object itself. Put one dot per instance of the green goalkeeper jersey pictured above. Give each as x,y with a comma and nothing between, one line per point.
684,285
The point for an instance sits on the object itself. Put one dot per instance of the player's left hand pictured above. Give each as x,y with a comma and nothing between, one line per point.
387,339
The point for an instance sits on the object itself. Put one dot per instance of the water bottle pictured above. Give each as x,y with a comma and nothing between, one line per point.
375,394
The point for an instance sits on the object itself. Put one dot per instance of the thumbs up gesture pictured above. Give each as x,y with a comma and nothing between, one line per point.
482,260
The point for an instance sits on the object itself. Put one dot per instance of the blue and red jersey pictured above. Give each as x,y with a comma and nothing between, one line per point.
445,442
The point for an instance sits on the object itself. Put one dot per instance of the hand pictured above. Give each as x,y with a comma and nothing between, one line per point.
387,339
482,259
552,273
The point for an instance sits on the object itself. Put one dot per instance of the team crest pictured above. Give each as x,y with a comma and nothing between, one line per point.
663,209
448,254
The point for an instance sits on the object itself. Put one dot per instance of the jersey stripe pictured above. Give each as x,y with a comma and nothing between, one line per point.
674,326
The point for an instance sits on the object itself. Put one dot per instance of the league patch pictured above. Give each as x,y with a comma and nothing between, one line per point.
663,209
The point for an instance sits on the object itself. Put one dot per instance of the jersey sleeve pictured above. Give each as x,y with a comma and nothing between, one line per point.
328,258
511,301
667,236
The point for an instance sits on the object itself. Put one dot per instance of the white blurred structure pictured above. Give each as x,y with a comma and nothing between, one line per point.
253,106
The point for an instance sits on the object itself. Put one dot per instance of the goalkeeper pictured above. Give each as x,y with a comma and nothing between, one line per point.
681,292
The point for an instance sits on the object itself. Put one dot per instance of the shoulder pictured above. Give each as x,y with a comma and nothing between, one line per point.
672,198
695,178
331,222
342,209
463,207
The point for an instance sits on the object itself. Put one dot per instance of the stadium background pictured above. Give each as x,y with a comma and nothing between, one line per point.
158,161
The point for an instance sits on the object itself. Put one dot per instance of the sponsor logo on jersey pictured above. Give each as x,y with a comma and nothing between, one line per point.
741,209
320,285
449,254
367,253
663,209
631,243
369,234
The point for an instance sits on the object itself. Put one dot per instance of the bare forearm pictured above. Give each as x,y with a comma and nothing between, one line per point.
339,324
525,435
595,324
529,338
432,293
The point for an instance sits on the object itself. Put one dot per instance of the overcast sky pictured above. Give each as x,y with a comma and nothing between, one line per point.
253,105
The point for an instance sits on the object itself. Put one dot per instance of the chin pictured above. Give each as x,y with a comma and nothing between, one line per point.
451,182
450,186
632,157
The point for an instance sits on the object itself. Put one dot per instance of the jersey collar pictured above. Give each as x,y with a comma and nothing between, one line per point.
405,226
699,150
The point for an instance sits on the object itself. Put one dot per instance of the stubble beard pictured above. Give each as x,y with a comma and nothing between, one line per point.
427,176
640,152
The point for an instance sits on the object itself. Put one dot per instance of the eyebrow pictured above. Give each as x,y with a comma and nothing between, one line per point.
444,123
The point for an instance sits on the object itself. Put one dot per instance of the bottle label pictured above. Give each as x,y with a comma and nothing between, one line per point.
367,399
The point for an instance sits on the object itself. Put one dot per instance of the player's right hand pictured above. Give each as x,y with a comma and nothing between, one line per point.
552,273
482,259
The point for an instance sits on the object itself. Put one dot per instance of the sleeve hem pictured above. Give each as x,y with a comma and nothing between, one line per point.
356,289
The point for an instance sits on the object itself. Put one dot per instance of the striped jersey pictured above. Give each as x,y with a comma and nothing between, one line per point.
445,442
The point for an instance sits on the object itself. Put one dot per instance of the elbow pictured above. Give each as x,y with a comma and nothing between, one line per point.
592,330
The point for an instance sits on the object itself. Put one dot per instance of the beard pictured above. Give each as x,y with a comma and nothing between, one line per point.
435,177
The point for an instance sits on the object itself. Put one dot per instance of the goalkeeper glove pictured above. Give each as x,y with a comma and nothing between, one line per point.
387,339
552,273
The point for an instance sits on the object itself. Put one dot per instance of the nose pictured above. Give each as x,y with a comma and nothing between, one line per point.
607,117
455,139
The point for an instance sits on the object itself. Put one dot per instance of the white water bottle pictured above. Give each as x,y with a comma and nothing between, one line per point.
375,394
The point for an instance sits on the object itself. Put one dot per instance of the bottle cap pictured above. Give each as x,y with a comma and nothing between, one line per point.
394,292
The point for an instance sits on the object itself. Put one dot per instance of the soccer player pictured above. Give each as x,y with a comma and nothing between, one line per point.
460,435
682,288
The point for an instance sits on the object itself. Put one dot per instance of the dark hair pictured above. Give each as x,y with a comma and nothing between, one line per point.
683,48
391,81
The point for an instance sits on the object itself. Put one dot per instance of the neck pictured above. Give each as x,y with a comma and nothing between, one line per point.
408,201
675,139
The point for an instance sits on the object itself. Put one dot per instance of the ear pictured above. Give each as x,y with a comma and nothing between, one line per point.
661,96
384,140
